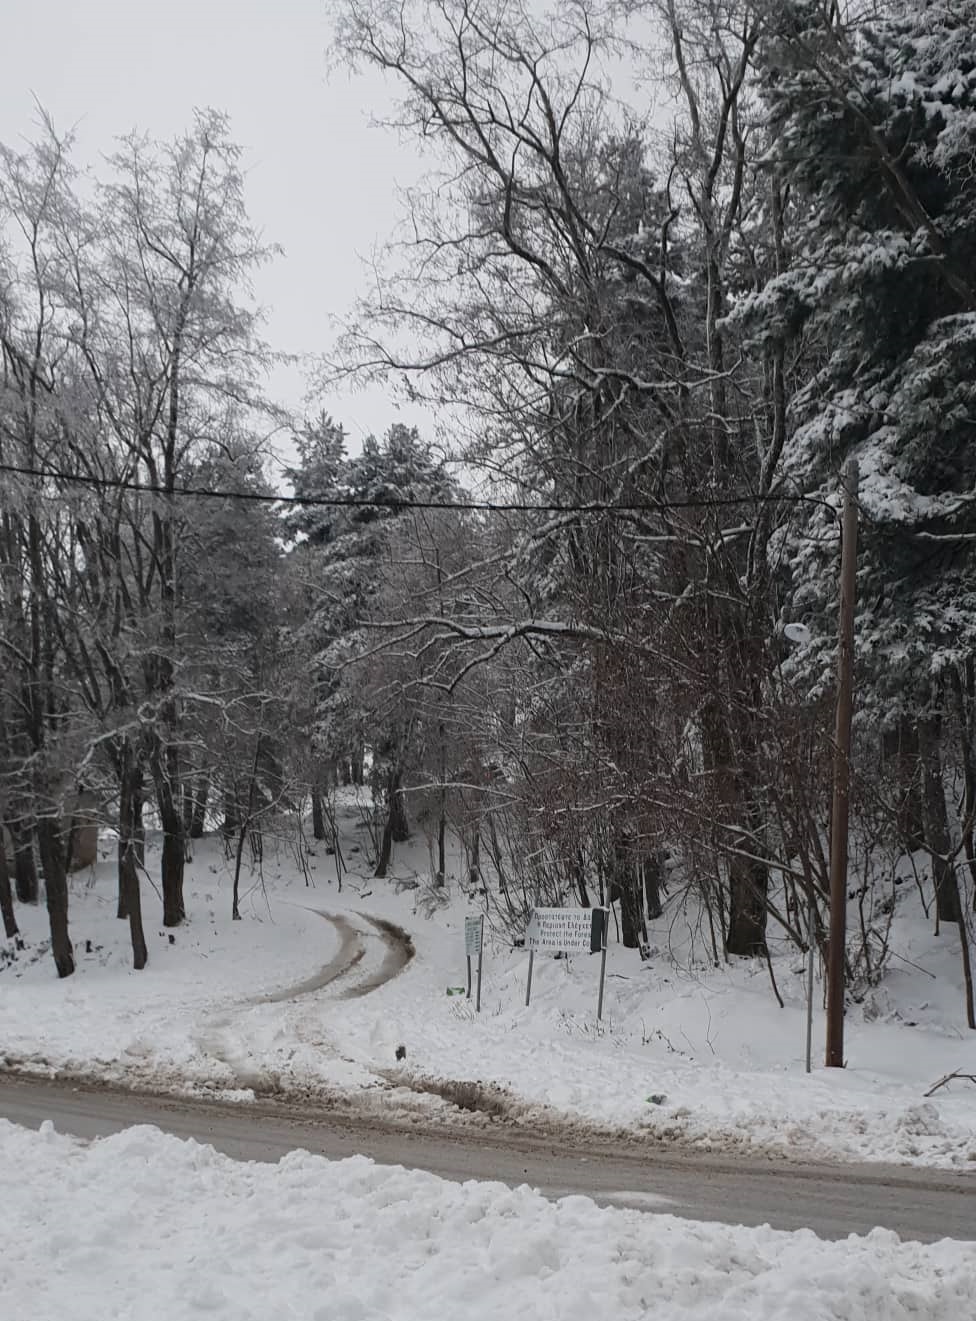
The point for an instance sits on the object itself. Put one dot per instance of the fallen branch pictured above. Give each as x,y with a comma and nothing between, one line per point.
956,1073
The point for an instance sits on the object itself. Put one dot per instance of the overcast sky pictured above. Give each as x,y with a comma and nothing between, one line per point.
321,181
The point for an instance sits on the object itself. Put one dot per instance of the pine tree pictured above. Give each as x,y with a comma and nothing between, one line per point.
344,557
875,124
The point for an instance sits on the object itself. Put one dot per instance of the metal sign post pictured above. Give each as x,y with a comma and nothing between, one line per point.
811,947
474,941
601,918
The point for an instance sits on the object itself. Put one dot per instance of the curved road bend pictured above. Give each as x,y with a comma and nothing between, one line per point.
834,1201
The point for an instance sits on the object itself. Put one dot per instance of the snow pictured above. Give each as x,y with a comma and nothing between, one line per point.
123,1024
142,1225
687,1053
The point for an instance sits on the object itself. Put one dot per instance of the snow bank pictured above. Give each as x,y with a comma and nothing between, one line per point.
144,1226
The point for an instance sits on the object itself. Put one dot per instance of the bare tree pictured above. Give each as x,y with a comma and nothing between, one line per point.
569,281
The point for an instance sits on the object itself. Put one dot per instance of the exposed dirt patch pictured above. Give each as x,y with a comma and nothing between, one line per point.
475,1097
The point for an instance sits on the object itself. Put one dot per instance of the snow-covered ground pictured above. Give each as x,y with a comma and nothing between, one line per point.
144,1226
111,1021
686,1053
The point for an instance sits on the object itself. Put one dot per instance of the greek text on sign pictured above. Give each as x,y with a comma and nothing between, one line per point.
474,931
568,929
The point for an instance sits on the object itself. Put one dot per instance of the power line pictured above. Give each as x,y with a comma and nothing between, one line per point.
358,502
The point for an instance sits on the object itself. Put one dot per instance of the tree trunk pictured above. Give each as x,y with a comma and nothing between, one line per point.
232,816
386,849
235,910
579,875
938,837
121,909
653,880
173,860
131,899
82,849
964,693
165,768
396,828
51,847
626,887
474,868
25,864
130,821
246,825
173,863
967,970
441,849
631,914
948,905
442,805
899,749
496,853
139,828
748,876
10,928
125,833
318,814
201,797
69,846
398,812
748,886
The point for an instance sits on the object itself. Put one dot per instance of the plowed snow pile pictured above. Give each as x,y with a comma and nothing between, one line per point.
144,1226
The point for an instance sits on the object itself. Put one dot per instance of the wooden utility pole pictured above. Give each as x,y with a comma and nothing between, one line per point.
840,813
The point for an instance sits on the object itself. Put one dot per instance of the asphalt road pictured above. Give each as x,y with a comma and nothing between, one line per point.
834,1201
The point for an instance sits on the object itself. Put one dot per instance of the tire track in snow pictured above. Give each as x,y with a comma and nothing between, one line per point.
305,1018
399,952
351,951
229,1038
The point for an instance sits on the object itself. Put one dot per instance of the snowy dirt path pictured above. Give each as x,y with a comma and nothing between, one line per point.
296,1018
354,944
225,1008
351,950
399,952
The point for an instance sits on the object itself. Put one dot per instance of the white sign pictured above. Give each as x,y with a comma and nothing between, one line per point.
474,933
568,929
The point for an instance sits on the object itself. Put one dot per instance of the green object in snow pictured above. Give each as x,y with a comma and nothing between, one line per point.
455,990
656,1099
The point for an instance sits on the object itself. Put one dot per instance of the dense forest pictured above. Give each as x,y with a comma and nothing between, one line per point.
651,341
